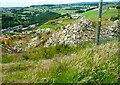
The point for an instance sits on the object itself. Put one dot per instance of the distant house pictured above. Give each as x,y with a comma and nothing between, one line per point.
108,8
112,8
76,16
70,12
32,26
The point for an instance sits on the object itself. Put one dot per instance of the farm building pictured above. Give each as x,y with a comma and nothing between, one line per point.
76,16
108,8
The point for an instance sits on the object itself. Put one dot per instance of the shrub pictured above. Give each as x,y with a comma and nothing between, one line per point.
63,27
2,42
12,33
118,7
83,29
8,43
48,33
113,18
94,24
26,57
80,11
19,37
33,32
40,36
12,38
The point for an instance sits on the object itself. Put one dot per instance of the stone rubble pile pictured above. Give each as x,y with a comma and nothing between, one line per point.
38,31
42,30
110,31
34,41
79,32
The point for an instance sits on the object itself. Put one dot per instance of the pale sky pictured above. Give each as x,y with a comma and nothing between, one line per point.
24,3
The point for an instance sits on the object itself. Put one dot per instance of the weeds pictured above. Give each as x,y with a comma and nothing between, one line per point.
89,65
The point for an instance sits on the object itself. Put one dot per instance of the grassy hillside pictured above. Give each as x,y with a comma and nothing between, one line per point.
89,64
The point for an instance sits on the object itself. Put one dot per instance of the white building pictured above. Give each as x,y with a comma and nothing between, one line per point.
76,16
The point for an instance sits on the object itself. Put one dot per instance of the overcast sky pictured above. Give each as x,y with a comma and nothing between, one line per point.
23,3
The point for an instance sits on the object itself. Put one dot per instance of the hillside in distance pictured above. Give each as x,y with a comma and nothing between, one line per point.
37,13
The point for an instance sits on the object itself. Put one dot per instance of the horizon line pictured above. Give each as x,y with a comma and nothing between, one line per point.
53,4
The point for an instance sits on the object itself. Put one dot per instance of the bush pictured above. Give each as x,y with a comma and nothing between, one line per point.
12,33
94,24
80,11
118,7
26,57
84,29
48,33
40,36
113,18
19,37
91,9
2,42
64,27
8,43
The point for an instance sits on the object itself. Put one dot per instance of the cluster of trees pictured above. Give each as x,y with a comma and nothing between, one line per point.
15,19
79,11
92,8
68,15
118,7
44,17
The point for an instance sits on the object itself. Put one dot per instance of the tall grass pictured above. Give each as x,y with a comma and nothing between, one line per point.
90,65
51,51
45,52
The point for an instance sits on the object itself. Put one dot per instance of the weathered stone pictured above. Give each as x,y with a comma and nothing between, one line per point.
74,34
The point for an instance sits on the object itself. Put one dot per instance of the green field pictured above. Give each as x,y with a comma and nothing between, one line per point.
47,26
69,21
62,11
106,14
